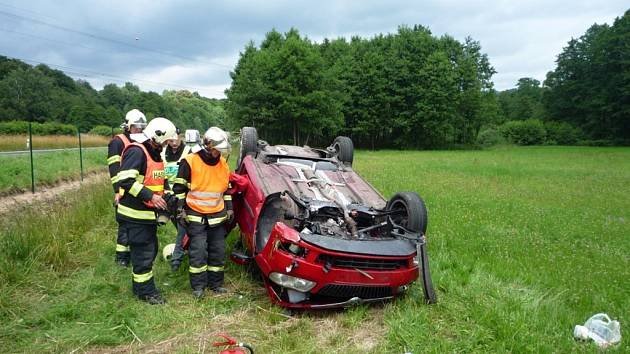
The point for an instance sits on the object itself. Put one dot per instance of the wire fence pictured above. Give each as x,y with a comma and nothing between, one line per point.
31,161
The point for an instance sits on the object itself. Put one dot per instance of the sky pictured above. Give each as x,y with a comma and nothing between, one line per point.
194,45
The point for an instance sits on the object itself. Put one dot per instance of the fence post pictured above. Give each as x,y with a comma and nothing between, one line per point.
30,148
80,154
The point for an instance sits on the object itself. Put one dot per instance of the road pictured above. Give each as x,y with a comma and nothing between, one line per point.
19,152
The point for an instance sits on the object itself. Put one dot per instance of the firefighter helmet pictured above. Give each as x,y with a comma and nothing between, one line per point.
167,251
134,118
217,138
160,130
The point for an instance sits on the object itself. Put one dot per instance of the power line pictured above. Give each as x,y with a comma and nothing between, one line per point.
106,39
83,46
39,14
86,73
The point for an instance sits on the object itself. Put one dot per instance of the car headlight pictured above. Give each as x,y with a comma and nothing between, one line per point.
291,282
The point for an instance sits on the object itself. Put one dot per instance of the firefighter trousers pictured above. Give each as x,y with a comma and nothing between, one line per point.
178,252
143,244
206,255
122,244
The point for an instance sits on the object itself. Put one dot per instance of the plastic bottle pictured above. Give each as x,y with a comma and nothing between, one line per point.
601,329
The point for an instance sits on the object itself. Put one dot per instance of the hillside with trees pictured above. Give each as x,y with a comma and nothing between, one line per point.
585,99
412,89
409,89
41,94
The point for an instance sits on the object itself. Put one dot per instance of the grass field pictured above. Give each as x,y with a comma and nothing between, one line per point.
49,167
524,243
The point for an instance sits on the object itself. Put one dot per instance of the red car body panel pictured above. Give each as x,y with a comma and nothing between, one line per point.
338,284
274,259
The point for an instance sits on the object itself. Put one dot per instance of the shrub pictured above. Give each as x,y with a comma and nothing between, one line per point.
104,130
13,127
490,137
597,142
562,133
50,128
524,132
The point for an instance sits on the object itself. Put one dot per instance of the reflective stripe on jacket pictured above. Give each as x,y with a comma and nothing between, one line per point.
171,167
152,179
113,157
207,185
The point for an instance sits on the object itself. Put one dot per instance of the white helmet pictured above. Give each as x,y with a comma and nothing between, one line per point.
167,251
216,138
134,118
160,130
192,136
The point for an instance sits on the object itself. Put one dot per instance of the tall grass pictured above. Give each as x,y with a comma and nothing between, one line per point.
18,142
524,243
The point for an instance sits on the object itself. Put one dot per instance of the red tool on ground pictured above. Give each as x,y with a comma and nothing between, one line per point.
235,347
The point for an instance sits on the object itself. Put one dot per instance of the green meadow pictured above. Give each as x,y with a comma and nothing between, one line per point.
50,168
524,243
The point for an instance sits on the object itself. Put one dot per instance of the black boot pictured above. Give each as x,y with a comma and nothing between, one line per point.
197,293
219,290
155,299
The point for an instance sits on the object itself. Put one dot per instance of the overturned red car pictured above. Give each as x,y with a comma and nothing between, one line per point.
320,235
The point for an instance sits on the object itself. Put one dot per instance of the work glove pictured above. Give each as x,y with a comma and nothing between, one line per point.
230,216
182,217
171,204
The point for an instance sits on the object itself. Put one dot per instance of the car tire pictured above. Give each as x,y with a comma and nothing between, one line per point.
248,142
416,216
415,219
344,148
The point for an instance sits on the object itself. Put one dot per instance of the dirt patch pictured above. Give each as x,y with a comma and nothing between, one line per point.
247,323
14,201
203,340
365,336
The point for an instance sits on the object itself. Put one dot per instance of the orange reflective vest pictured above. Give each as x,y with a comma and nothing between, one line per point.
124,139
207,185
153,176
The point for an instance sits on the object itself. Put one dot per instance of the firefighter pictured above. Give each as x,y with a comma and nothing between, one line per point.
172,154
142,183
134,123
204,207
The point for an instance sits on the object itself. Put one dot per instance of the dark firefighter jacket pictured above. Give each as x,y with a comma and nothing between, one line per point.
114,151
132,169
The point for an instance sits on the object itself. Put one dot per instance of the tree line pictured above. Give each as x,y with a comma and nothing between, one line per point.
411,89
408,89
587,95
41,94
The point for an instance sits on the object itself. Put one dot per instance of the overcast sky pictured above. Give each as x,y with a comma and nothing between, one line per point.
194,44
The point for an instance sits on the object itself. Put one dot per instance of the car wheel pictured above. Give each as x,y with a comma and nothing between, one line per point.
345,149
412,214
412,211
249,143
